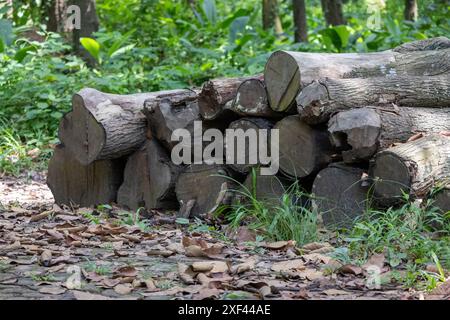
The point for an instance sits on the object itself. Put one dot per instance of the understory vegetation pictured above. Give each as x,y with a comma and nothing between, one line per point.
146,45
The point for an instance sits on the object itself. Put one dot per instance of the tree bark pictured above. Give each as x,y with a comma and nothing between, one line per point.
74,184
270,17
411,10
303,150
437,43
362,132
166,115
324,98
255,125
56,16
332,10
300,21
340,194
269,189
107,126
201,189
287,72
442,200
414,168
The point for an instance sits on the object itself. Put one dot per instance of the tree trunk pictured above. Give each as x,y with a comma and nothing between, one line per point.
201,189
340,194
332,10
300,21
254,125
56,16
149,179
74,184
89,25
303,150
166,115
324,98
411,10
287,72
217,96
107,126
362,132
414,168
270,16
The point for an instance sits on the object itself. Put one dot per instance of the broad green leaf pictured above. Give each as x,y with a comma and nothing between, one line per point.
122,50
2,46
119,42
344,34
91,46
6,32
236,27
22,53
209,9
239,13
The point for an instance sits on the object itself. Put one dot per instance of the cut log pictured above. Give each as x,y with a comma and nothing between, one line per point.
165,115
411,168
442,200
264,187
149,179
324,98
203,188
74,184
303,150
252,127
106,126
251,100
360,133
340,194
216,94
437,43
287,72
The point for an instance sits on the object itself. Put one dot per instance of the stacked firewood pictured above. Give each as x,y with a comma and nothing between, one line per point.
355,130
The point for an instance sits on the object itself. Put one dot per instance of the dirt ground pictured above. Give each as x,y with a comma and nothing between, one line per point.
48,252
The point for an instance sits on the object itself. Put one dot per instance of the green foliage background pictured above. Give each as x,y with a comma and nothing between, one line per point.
148,45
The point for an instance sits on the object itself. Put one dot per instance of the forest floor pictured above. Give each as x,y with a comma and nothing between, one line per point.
48,252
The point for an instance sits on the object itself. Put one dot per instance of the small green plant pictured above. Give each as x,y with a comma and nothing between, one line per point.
133,219
275,219
91,266
42,277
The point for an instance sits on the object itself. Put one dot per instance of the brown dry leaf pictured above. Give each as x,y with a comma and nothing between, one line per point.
288,265
126,271
316,245
196,247
110,283
310,274
82,295
150,284
244,267
376,260
415,137
208,293
41,216
335,292
45,258
55,234
210,266
186,274
123,289
445,133
52,290
242,234
442,290
316,258
279,245
351,269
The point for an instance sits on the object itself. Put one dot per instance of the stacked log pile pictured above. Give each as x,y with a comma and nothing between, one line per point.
356,130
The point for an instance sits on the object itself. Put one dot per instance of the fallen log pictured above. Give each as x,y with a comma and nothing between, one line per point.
287,72
303,150
106,126
442,200
340,194
249,127
201,189
166,115
360,133
437,43
149,179
324,98
411,168
72,183
216,97
264,188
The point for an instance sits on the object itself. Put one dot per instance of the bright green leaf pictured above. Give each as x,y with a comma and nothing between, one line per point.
91,46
